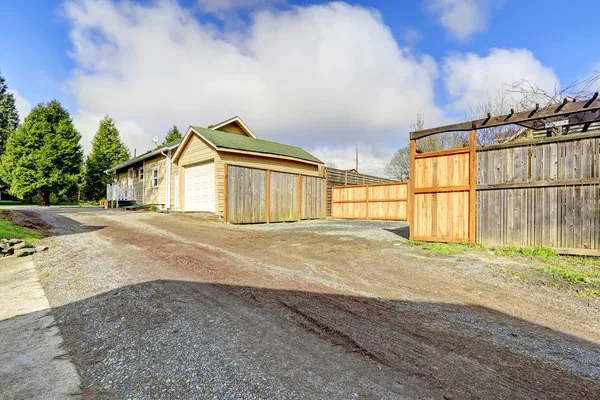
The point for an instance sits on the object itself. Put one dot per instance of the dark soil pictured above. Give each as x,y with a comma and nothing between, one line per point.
173,307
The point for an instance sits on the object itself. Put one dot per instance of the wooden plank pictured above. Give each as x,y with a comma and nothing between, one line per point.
411,190
541,183
225,187
371,200
450,152
443,189
268,197
515,118
299,197
473,187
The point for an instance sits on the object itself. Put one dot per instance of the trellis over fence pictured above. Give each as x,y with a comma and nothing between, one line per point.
537,193
255,195
383,201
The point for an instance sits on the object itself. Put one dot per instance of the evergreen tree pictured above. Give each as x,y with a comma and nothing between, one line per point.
172,135
43,155
107,149
9,116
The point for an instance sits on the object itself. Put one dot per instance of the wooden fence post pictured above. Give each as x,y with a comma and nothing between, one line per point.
411,189
299,197
225,187
472,186
367,202
268,210
326,192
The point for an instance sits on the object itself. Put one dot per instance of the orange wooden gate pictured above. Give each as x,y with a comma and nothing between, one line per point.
380,201
442,194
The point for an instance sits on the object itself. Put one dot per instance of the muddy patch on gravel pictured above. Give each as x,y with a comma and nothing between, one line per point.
27,219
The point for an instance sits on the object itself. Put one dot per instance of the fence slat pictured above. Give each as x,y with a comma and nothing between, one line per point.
378,202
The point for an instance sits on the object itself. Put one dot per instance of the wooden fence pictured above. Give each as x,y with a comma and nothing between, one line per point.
255,195
384,201
442,194
339,177
541,193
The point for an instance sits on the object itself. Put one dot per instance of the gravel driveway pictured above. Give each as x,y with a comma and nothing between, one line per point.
169,306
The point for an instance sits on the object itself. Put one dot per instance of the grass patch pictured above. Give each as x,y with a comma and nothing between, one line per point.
10,203
153,208
445,248
577,275
9,230
567,274
541,253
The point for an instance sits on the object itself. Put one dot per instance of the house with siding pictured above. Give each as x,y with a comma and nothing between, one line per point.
188,175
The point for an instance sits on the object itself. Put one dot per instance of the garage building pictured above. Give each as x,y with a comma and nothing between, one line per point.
189,175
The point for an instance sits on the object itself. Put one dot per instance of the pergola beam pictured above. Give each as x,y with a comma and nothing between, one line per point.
580,118
525,118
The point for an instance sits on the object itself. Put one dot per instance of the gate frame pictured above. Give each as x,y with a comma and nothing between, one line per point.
578,112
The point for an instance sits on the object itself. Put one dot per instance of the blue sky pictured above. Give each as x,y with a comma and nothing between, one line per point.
313,73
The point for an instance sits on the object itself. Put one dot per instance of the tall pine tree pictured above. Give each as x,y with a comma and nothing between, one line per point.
43,155
107,148
9,116
172,135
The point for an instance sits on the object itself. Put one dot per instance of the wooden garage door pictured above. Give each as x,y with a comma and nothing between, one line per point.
200,187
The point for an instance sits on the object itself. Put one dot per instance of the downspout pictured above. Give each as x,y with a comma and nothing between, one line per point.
144,182
168,172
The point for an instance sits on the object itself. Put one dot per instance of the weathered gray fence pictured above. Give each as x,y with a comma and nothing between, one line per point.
255,195
541,193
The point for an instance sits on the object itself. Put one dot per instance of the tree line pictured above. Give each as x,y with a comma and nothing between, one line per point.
43,157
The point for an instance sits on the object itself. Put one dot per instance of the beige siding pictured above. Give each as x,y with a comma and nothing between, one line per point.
155,195
194,151
174,177
137,184
233,128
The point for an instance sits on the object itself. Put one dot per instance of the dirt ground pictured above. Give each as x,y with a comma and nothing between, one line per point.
164,306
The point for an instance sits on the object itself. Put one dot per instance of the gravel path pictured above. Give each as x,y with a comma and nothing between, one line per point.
163,306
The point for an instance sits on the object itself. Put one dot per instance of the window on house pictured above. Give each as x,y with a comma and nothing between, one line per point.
141,174
155,177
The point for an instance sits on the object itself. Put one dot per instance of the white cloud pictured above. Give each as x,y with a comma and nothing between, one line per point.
411,35
471,79
23,106
461,18
216,6
324,75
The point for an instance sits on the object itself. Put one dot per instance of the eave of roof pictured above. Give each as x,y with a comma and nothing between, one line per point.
148,154
229,141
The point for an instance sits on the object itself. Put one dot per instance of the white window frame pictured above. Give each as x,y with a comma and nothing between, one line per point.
154,185
141,174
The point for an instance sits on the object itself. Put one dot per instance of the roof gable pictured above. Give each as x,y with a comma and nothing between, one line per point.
239,127
224,141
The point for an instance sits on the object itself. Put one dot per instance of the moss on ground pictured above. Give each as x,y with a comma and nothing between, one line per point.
577,275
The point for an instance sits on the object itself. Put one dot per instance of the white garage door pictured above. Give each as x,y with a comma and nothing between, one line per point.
200,187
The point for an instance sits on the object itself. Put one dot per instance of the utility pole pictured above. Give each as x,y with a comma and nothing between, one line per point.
356,157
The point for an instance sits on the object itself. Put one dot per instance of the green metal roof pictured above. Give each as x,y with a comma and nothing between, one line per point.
226,140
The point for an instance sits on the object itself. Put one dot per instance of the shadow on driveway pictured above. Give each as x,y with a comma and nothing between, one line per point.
175,339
